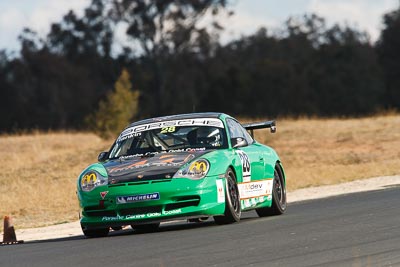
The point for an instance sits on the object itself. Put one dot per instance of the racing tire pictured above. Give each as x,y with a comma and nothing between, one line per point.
279,204
93,233
232,201
151,227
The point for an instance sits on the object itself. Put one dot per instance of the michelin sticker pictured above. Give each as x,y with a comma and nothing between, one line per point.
246,166
138,198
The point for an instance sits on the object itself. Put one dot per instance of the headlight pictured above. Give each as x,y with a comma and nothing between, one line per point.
91,180
196,170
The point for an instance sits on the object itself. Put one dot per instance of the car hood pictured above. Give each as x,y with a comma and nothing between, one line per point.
154,167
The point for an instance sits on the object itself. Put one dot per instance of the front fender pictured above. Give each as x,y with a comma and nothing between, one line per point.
221,160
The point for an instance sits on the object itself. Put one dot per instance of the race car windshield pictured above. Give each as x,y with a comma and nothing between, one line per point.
169,139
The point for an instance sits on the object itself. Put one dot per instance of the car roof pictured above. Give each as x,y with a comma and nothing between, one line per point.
180,117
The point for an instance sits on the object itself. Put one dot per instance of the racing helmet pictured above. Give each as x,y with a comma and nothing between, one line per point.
209,136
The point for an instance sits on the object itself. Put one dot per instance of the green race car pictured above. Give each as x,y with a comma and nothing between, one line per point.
189,166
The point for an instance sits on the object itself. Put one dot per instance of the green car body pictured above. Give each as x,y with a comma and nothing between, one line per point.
224,173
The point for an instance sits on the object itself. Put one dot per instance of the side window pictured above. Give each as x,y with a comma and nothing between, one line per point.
247,136
237,130
234,130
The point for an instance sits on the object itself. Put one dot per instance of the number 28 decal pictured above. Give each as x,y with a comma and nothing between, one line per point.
165,130
244,159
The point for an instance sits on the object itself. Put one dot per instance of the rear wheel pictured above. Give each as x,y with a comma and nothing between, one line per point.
145,227
278,206
102,232
232,201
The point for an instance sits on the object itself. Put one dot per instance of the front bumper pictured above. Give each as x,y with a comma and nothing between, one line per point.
151,201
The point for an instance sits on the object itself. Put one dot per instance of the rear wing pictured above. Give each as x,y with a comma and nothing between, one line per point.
260,125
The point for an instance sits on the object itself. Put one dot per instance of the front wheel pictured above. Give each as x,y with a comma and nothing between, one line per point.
278,206
232,201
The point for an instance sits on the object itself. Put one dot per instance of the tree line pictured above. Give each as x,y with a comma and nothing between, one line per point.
177,65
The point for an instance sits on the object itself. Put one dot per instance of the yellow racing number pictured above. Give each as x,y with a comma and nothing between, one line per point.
165,130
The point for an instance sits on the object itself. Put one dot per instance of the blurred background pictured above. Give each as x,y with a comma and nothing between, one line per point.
81,64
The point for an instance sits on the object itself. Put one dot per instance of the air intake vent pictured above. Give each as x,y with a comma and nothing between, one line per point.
183,202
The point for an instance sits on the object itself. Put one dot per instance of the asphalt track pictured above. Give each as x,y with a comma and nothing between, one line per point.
361,229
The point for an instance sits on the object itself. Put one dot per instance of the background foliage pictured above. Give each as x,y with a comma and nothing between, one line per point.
116,111
178,65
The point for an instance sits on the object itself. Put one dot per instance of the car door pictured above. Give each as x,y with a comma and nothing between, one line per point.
250,156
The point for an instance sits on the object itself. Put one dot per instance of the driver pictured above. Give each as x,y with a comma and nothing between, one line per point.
205,136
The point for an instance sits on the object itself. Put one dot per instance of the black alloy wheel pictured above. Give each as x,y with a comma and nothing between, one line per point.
232,201
279,204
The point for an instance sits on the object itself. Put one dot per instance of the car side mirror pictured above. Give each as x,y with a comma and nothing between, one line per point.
238,142
102,156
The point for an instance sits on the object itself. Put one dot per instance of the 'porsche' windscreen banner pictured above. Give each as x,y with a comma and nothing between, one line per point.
158,125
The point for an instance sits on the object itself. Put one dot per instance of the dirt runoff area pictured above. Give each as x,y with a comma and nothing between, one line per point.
73,229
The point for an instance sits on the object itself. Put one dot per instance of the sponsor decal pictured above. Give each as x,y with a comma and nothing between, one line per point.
89,178
189,149
246,203
114,218
170,212
164,160
170,125
138,216
153,214
199,166
138,198
170,159
193,149
251,202
135,165
220,191
246,166
103,194
141,216
255,189
129,136
268,189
